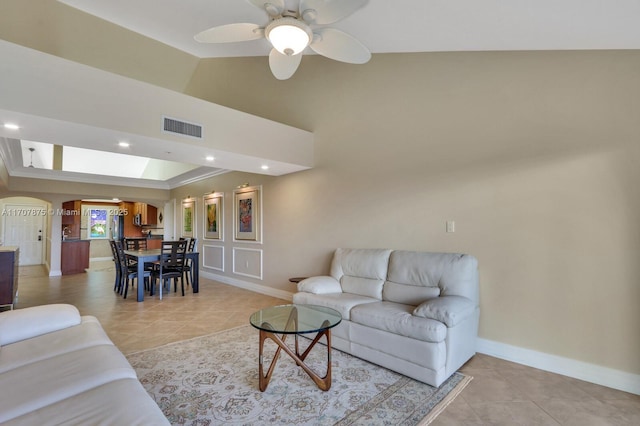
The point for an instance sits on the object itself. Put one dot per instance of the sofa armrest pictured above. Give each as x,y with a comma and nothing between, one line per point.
21,324
320,285
449,310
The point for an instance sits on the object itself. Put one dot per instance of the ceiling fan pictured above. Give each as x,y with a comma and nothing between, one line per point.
291,31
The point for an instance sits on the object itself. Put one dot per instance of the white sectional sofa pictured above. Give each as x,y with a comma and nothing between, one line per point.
57,367
412,312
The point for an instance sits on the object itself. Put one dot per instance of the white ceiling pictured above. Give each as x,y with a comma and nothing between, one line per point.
397,26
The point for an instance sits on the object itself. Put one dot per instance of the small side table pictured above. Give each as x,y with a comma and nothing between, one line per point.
297,279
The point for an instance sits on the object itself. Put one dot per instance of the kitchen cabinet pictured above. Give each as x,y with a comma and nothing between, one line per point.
71,219
129,210
148,213
154,243
9,275
75,256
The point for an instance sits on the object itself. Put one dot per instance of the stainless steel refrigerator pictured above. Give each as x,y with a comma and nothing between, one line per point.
117,227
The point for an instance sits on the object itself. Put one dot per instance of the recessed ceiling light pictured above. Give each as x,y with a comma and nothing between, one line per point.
265,167
11,126
209,158
123,144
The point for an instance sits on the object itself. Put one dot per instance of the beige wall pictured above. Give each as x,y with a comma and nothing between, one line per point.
60,30
534,155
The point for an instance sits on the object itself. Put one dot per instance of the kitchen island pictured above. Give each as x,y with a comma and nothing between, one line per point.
75,256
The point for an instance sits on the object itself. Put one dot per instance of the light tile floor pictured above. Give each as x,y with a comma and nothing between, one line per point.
501,392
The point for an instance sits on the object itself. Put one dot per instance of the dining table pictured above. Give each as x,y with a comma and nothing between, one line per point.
152,255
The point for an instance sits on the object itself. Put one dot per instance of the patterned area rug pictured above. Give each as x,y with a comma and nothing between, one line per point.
213,380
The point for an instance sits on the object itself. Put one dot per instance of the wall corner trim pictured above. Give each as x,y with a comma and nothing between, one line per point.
604,376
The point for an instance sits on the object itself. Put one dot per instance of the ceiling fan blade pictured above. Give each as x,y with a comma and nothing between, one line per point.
328,11
283,66
230,33
272,7
339,46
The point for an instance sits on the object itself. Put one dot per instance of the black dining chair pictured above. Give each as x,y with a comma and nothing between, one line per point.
170,266
114,251
188,263
129,271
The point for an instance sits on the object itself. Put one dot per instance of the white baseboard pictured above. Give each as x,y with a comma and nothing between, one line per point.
52,272
262,289
604,376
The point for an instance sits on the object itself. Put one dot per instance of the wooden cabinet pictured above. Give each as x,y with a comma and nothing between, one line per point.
130,229
152,215
71,218
75,257
154,243
148,213
9,275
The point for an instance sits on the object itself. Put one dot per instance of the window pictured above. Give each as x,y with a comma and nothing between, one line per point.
98,223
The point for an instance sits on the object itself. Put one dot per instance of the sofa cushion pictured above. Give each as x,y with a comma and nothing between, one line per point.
320,285
88,333
397,318
408,294
362,286
51,380
117,403
26,323
341,302
361,271
455,274
450,310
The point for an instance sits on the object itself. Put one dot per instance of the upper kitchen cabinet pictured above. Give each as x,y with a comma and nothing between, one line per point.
130,228
145,214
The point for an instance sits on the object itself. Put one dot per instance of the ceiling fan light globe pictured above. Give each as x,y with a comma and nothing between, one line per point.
288,35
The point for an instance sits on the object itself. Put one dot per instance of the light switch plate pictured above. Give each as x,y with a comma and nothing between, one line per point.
451,226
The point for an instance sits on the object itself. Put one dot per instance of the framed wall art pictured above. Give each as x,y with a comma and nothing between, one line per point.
247,214
188,217
213,216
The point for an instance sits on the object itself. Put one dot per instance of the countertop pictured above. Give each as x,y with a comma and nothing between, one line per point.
148,237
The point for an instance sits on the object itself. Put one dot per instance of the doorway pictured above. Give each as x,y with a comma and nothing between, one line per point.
23,226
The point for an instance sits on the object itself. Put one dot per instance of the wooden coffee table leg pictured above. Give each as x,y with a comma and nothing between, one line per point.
324,383
263,381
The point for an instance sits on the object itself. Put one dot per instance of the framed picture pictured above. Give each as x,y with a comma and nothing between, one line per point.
188,217
247,217
213,216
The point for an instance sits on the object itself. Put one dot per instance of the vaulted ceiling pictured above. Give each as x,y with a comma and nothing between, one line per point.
382,26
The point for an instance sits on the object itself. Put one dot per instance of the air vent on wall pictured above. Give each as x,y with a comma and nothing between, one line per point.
182,128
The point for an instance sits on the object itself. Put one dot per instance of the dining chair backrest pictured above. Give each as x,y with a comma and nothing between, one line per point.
192,245
122,258
136,244
172,254
114,250
116,260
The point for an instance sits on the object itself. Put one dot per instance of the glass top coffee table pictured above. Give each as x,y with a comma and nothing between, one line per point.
295,320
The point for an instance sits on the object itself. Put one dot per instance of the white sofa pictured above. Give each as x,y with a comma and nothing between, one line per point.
412,312
57,367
